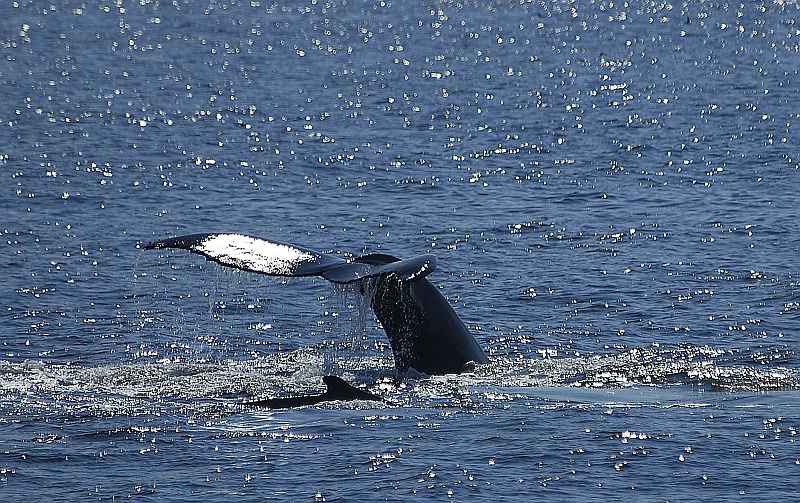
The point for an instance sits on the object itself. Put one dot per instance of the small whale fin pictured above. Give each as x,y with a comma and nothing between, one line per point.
339,389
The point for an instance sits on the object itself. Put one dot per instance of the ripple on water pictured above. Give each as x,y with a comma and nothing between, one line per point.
611,189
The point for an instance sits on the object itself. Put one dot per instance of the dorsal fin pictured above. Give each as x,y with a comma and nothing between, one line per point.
339,389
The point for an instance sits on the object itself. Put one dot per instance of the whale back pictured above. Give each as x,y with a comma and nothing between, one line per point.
337,390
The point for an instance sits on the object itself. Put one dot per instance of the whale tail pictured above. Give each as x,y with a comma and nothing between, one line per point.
424,331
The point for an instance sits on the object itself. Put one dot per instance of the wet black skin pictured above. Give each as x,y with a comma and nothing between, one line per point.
424,331
338,390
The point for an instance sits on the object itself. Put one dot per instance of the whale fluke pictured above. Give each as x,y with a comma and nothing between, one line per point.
273,258
253,254
424,331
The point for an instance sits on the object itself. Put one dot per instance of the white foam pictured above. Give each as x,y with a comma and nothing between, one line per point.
259,255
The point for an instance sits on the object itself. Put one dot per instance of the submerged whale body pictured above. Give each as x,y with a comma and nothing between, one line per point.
338,390
424,331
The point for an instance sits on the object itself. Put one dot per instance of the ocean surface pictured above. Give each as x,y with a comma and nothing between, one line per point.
612,189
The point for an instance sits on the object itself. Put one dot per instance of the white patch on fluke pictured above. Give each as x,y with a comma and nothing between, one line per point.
258,255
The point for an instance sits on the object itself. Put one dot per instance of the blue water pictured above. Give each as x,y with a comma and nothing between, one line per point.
611,188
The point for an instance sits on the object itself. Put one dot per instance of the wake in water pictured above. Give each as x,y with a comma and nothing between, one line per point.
696,366
206,387
202,381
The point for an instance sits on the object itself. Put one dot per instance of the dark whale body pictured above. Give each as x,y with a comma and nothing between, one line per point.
424,331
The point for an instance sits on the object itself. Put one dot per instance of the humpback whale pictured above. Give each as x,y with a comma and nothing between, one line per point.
424,331
337,389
